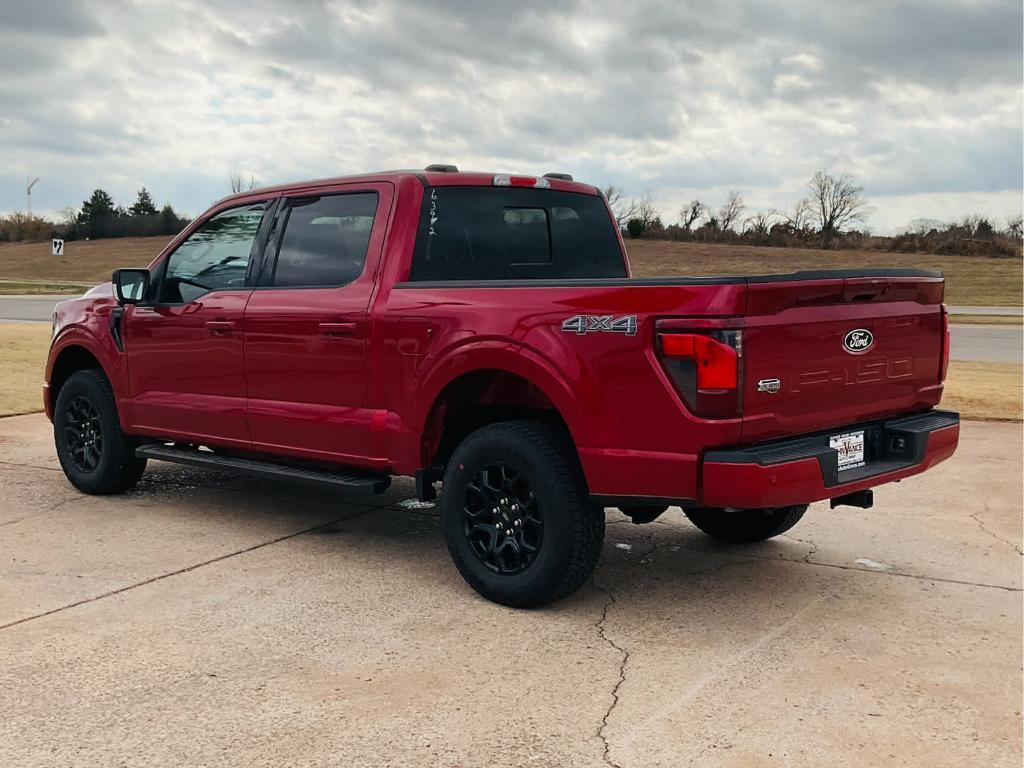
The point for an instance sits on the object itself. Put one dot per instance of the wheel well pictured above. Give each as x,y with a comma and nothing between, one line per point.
71,360
474,400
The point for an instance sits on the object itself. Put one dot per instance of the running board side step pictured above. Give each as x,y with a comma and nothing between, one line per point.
353,483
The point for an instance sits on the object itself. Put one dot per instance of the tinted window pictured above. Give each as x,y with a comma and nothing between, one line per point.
325,240
496,233
214,257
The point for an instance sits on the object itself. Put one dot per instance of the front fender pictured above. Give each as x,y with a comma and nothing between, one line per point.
85,325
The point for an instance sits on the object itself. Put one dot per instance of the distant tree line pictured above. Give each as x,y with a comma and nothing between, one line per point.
828,217
98,217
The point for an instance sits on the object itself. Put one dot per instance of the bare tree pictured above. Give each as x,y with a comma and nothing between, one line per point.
622,209
238,183
646,209
800,218
689,215
760,223
835,203
1015,226
731,211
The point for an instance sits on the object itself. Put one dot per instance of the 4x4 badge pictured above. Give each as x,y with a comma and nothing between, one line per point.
582,324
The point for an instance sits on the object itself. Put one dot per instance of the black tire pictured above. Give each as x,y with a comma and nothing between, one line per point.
745,525
529,471
96,456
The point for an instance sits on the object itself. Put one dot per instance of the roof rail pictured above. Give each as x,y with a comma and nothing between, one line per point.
441,168
562,176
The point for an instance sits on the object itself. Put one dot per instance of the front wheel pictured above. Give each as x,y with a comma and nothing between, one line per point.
96,456
515,515
743,526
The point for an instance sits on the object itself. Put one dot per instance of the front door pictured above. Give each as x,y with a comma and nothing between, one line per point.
184,346
307,325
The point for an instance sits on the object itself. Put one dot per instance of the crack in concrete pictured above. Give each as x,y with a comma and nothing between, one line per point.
812,547
981,524
49,509
29,466
186,569
600,626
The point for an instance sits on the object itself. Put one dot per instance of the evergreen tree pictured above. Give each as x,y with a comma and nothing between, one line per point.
98,207
143,204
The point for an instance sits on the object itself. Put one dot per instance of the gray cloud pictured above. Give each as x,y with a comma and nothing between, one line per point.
921,101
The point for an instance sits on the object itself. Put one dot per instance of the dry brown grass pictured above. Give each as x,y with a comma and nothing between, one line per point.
23,349
985,320
990,391
970,280
86,261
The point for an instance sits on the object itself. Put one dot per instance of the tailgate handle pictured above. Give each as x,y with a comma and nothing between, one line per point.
864,291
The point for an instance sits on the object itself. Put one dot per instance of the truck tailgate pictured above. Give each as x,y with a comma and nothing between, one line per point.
821,353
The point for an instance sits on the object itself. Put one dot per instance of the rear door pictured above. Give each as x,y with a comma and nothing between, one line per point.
306,324
184,347
820,353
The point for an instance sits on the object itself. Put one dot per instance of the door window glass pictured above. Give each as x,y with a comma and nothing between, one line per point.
214,257
325,240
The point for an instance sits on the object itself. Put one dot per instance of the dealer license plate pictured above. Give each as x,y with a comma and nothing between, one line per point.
850,447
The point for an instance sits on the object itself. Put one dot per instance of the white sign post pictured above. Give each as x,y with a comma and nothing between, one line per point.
58,247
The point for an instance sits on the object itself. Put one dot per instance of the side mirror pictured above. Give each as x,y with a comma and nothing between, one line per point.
130,285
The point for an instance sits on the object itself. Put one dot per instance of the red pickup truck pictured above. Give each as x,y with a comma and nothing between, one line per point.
483,331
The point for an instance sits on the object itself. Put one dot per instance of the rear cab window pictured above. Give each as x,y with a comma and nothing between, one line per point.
324,241
501,233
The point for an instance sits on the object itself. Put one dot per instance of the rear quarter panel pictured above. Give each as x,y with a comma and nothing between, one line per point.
610,389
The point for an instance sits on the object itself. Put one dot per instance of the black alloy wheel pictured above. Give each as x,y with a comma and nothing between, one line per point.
83,434
502,519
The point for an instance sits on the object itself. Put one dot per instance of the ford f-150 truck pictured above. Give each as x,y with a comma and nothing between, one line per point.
484,332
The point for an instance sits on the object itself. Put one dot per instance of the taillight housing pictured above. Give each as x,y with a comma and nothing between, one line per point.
521,181
944,363
706,368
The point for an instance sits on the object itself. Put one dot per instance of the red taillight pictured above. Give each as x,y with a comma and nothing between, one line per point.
705,367
717,363
944,365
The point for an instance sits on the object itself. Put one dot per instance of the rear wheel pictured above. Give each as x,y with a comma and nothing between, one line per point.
515,515
96,456
745,525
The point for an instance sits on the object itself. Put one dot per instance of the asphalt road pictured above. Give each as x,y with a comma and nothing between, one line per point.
984,343
207,619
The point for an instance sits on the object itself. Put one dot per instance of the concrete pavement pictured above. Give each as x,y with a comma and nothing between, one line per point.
31,309
986,343
207,619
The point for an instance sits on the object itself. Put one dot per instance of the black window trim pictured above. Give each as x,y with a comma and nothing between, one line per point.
265,275
255,255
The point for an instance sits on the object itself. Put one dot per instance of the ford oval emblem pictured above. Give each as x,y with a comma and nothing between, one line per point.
858,340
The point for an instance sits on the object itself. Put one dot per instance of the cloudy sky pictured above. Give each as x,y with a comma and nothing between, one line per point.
920,101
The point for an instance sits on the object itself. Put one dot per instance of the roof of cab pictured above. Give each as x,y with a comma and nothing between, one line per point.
427,178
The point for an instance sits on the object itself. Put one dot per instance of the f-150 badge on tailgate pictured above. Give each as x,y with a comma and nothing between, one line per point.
582,324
